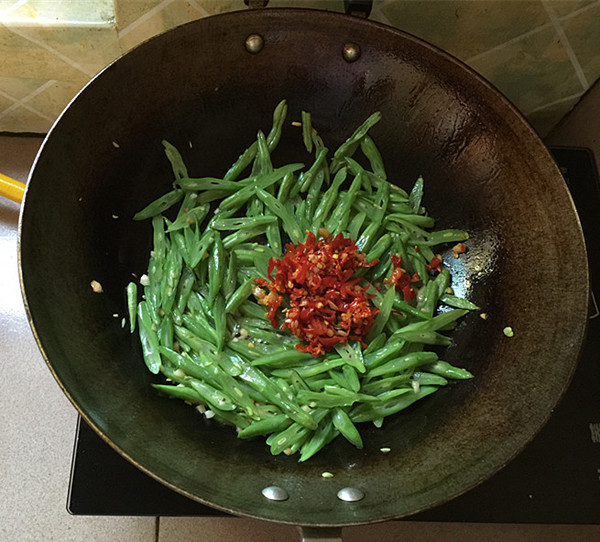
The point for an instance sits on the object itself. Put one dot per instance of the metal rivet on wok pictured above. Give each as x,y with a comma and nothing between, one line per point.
254,43
350,494
275,493
351,52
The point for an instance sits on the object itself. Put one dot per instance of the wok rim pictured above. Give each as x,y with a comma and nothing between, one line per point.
517,121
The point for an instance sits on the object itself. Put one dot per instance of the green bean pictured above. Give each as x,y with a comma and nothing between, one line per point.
132,304
443,368
289,222
274,237
294,434
323,435
382,244
381,385
376,343
165,331
347,148
408,361
366,412
255,378
262,163
370,150
340,217
368,235
214,398
423,337
180,392
328,199
458,302
313,369
444,236
237,223
418,220
201,328
148,339
351,375
307,131
254,310
239,198
207,183
242,236
265,426
285,186
278,358
279,115
174,157
355,226
199,249
374,359
219,316
160,205
307,178
416,195
243,161
352,355
239,296
429,379
385,309
216,268
344,425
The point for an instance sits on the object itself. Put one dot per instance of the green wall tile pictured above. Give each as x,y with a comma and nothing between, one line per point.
531,72
564,7
583,32
546,118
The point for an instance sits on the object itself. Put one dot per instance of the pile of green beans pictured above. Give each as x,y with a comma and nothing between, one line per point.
201,327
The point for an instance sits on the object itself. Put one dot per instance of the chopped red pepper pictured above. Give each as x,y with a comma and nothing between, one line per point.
326,304
402,280
435,264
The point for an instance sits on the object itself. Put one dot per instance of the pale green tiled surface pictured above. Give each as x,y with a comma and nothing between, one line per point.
520,70
580,29
465,28
544,54
563,8
545,118
57,11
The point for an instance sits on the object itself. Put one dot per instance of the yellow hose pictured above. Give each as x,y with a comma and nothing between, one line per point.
11,188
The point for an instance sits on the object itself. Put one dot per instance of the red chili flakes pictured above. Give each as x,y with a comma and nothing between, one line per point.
402,280
435,264
327,304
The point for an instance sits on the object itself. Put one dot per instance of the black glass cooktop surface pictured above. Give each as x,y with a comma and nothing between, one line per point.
556,479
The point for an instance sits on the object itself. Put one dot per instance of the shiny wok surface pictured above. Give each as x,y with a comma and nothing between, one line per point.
484,169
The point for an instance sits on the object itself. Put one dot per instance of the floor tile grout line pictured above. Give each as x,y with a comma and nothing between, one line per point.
555,102
47,47
157,529
508,42
576,12
566,45
198,7
23,101
143,18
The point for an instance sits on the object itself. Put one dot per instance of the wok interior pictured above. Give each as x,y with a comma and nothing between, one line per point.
200,89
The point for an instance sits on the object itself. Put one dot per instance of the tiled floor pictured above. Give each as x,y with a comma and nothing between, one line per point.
37,425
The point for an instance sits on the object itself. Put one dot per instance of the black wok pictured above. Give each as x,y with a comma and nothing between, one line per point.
485,170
